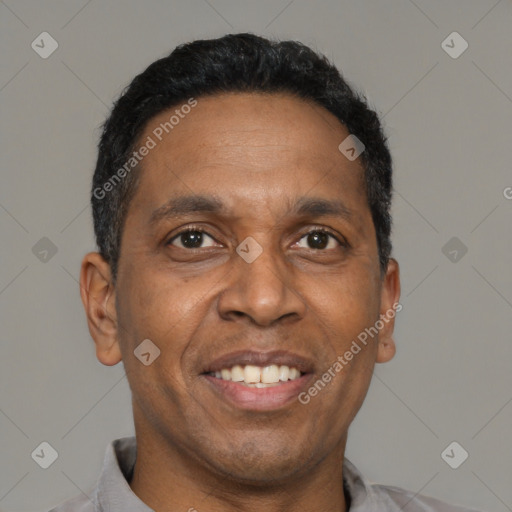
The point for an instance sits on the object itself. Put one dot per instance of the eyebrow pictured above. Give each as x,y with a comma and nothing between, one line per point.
318,207
185,205
305,206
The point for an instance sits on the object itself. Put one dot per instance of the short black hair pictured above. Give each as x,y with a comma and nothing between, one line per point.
233,63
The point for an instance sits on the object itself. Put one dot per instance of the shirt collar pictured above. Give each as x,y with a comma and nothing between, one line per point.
113,492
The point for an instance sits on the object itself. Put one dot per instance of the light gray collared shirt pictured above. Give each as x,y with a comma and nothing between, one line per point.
112,492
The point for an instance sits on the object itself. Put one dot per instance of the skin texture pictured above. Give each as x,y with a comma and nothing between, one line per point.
258,154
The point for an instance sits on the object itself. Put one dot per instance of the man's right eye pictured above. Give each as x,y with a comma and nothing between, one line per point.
191,238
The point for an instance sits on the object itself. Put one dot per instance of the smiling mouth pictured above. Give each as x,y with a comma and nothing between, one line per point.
258,376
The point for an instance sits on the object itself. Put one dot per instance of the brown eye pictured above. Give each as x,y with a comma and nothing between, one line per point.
320,240
191,239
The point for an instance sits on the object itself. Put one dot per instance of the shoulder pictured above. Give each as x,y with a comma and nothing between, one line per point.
79,504
111,484
407,501
366,496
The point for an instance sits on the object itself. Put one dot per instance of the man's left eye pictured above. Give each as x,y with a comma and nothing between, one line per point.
319,239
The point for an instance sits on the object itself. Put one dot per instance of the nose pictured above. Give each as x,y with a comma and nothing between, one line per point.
262,292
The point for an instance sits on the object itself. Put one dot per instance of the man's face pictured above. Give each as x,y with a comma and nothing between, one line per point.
272,166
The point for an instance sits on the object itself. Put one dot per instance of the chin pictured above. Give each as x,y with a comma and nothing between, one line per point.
256,463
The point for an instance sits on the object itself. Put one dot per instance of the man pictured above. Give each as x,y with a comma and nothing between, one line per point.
241,207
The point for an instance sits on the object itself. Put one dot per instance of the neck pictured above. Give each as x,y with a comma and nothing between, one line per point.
166,478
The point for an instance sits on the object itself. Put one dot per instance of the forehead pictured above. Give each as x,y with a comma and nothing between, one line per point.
254,148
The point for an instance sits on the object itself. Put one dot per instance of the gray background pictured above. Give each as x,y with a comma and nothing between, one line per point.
449,127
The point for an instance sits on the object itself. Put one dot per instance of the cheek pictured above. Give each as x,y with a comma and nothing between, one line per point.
348,303
158,305
167,310
351,303
162,312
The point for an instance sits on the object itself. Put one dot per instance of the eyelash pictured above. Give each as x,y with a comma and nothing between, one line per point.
193,229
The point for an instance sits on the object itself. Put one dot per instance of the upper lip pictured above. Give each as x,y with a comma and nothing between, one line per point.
257,358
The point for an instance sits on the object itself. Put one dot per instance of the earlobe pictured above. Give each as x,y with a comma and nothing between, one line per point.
98,298
389,306
386,350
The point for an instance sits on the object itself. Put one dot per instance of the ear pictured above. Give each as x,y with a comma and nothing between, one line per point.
98,298
389,306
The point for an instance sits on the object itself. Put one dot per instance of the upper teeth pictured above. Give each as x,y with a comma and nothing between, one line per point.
250,374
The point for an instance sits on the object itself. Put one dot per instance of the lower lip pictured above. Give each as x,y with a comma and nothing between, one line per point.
259,399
